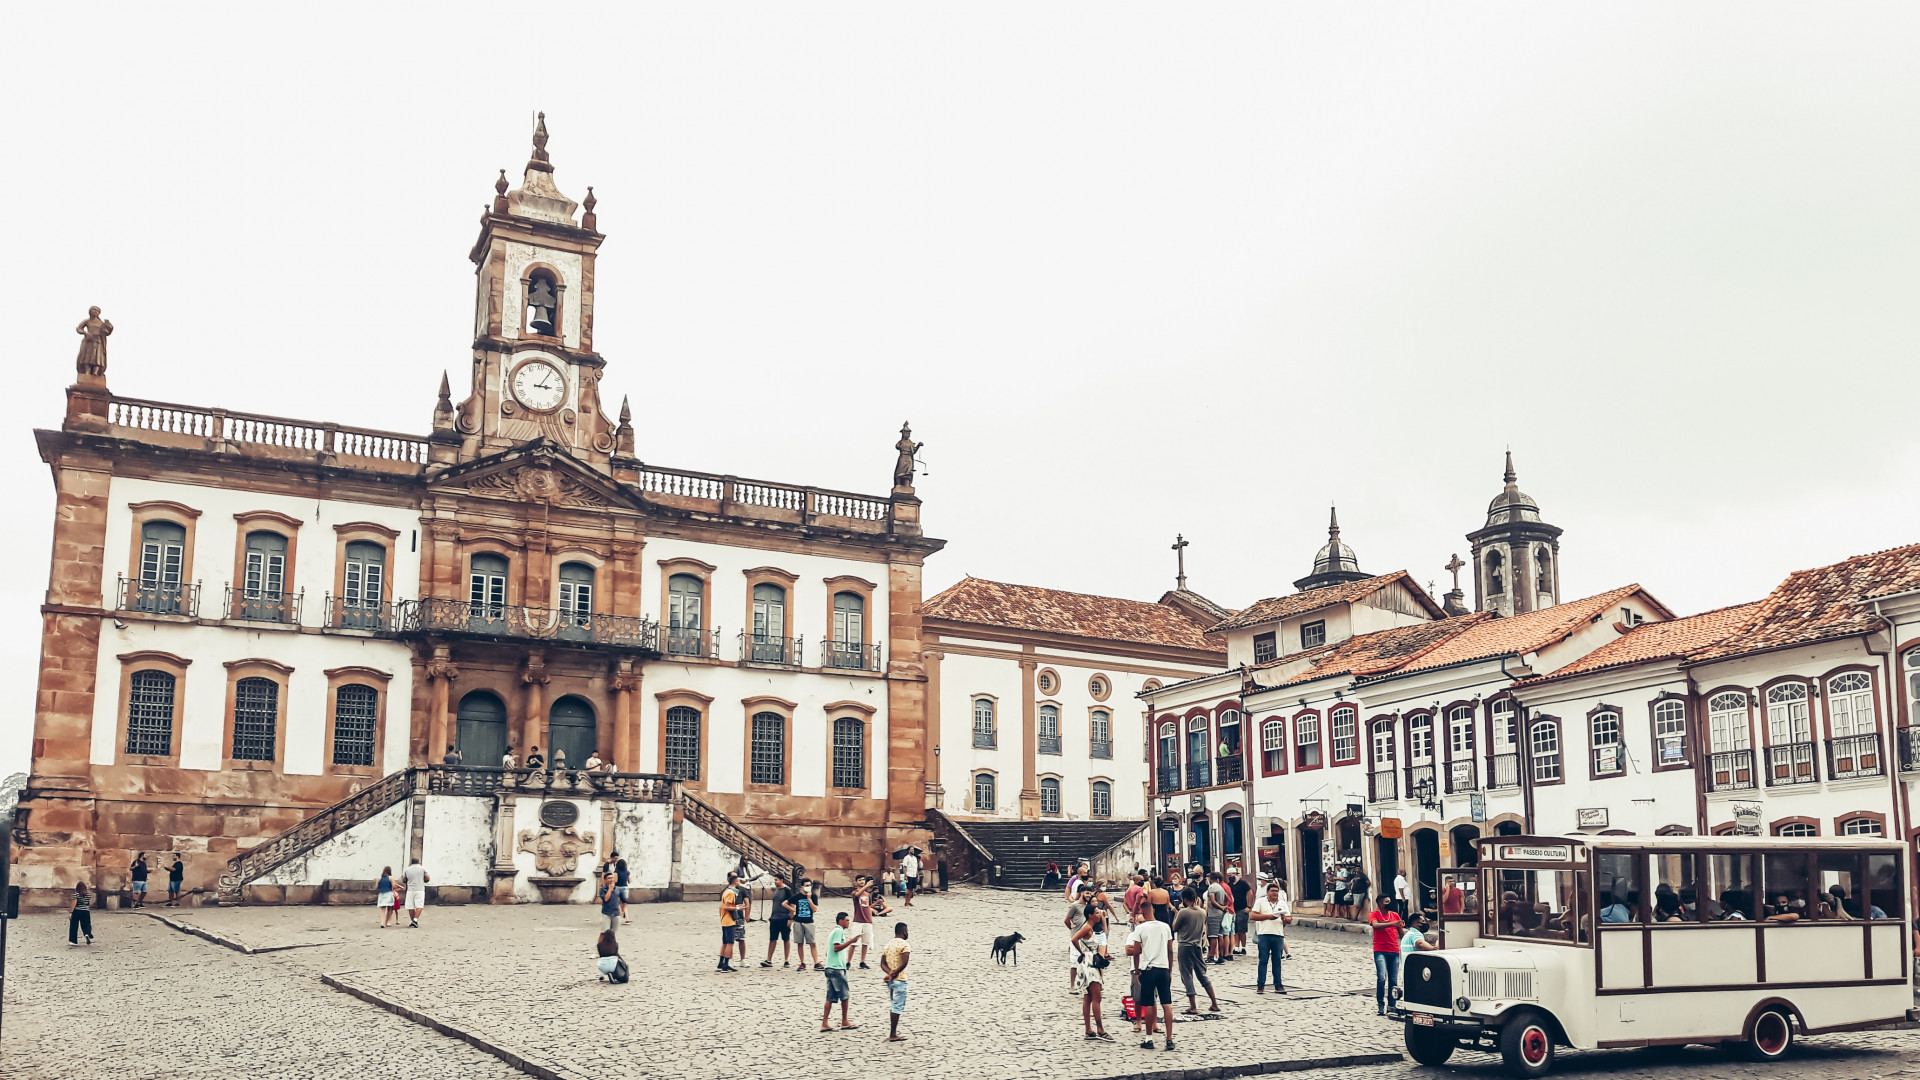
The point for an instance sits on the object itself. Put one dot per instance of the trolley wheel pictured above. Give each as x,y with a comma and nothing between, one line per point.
1770,1037
1429,1046
1526,1044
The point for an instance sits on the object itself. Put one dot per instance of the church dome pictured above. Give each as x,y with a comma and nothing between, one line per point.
1335,556
1512,505
1335,562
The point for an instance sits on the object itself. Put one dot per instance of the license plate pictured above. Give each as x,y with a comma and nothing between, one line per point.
1422,1020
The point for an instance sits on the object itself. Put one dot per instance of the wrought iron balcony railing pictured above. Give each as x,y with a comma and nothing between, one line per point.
1730,770
1463,776
519,621
1852,756
849,656
349,613
691,641
158,598
1910,749
1230,770
258,605
761,649
1166,779
1100,748
1420,783
1505,771
984,740
1380,786
1199,774
1047,744
1791,763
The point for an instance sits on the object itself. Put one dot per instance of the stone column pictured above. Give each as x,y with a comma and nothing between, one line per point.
441,671
625,683
1029,766
501,875
936,793
533,727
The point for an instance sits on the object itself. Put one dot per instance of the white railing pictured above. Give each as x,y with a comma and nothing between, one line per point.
732,491
252,429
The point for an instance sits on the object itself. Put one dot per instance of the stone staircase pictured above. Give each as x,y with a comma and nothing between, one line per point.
269,856
1021,850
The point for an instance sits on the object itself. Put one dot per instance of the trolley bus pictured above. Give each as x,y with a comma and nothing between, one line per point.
1634,941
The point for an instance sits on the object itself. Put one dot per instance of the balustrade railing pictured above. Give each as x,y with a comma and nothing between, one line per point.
723,829
1380,786
303,837
1100,748
1791,763
258,605
1505,771
691,641
158,598
490,780
849,656
353,613
225,426
1730,770
1047,744
1852,756
807,502
519,621
761,649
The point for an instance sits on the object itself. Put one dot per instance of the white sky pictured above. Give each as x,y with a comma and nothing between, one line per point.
1129,269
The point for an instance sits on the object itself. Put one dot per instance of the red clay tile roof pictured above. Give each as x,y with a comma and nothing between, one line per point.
1677,639
1281,607
1529,632
1053,611
1385,650
1822,603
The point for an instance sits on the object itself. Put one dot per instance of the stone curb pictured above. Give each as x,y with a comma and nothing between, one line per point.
189,928
532,1066
1314,922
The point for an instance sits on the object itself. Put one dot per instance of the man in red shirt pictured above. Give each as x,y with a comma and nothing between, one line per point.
1132,898
1386,949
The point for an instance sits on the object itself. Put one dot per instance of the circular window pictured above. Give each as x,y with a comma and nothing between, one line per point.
1099,687
558,814
1047,681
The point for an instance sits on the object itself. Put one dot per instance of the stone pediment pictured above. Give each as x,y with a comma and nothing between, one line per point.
536,473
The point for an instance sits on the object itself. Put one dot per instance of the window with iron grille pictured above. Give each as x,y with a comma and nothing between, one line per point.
683,743
1265,647
1545,744
849,753
983,791
150,713
1313,635
356,711
1861,826
1102,799
769,748
256,719
1346,738
1050,796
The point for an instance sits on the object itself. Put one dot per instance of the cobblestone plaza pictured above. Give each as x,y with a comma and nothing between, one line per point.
150,1000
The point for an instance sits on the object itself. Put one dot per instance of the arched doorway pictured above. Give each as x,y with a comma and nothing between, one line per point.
1312,870
1386,863
1202,851
1426,861
1273,858
1169,843
570,728
1347,832
1466,845
1232,841
480,729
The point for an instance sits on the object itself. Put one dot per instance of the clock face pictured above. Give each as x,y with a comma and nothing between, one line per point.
539,386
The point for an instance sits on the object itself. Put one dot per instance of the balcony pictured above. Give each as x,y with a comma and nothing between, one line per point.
1100,748
1047,744
345,613
1463,777
761,649
258,605
158,598
849,656
1166,779
1730,770
1232,770
1852,756
1380,786
1909,749
1420,784
691,641
515,621
1506,771
1199,774
1791,763
983,740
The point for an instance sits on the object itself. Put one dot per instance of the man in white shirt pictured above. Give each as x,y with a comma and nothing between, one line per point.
1151,946
1400,892
1269,916
910,875
417,878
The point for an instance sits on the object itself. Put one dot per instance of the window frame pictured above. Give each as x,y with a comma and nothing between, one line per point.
1595,717
1272,640
1871,694
269,521
1384,722
1093,730
1306,722
1319,625
1059,799
862,716
1805,699
1802,827
377,681
703,572
1685,736
749,709
785,582
509,586
132,663
1278,724
173,513
1744,727
1843,822
275,672
993,787
1094,785
870,623
1352,714
993,719
361,532
667,700
1534,726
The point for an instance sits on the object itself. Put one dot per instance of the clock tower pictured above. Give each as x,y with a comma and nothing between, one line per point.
535,374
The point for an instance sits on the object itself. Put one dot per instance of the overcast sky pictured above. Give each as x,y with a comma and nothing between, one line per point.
1130,270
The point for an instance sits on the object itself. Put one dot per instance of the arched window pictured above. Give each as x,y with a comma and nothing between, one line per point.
576,594
769,751
1850,704
682,757
1460,733
572,736
543,303
686,635
1050,796
983,792
848,647
263,593
1505,722
480,729
1229,748
356,711
487,587
849,752
363,585
1609,756
1420,739
1199,754
1789,735
163,547
1170,751
1544,584
256,719
1345,722
769,644
150,713
1496,573
1796,828
1861,826
1306,741
1049,730
1544,742
1102,799
1727,722
1273,746
983,730
1382,745
1100,734
1913,687
1670,732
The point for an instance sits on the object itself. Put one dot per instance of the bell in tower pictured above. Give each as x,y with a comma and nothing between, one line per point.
542,303
1516,555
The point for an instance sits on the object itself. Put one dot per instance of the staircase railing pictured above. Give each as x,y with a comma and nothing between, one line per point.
309,834
722,828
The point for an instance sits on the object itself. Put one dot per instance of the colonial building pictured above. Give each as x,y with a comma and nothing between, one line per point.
251,618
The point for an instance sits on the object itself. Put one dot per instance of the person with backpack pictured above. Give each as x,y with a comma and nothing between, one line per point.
1092,939
612,968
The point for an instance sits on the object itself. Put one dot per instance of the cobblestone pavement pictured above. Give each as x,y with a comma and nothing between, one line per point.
148,1001
522,977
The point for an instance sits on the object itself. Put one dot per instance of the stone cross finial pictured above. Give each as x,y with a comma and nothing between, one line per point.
1454,564
1180,556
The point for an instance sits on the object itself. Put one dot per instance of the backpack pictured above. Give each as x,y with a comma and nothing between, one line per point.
619,972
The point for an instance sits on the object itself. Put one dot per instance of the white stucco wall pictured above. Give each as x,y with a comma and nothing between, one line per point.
355,855
457,847
643,835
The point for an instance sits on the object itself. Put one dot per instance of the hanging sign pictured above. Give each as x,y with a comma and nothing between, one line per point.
1746,819
1315,819
1478,801
1390,828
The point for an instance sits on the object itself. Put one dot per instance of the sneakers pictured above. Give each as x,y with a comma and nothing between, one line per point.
863,965
1147,1044
413,924
766,963
1169,1045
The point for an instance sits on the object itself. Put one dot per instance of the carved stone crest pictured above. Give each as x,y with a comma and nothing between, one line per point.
541,484
556,851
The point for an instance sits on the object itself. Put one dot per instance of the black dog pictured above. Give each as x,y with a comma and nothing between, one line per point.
1007,945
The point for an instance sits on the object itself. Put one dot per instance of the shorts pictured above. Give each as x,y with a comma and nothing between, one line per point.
802,933
416,898
1156,987
729,935
1358,899
621,891
777,931
860,933
898,997
1241,920
139,887
1216,923
836,985
913,883
173,886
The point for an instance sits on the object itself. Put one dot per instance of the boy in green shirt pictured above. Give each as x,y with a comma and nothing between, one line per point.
839,944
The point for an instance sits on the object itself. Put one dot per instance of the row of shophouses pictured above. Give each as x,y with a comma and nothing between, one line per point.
1359,723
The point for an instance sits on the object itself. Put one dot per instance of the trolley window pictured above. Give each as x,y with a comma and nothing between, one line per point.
1540,905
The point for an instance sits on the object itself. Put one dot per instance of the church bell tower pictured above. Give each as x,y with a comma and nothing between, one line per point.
535,374
1516,556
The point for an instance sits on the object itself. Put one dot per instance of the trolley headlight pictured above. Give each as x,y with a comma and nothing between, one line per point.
1462,1004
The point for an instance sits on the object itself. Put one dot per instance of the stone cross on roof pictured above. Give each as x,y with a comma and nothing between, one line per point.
1454,564
1180,554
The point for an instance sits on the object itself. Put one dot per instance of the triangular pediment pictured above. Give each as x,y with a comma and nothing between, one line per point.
537,472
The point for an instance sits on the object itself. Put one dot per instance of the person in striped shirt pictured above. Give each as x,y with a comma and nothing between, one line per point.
81,922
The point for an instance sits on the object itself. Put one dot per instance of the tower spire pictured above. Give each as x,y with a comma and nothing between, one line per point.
1510,476
540,159
1333,523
